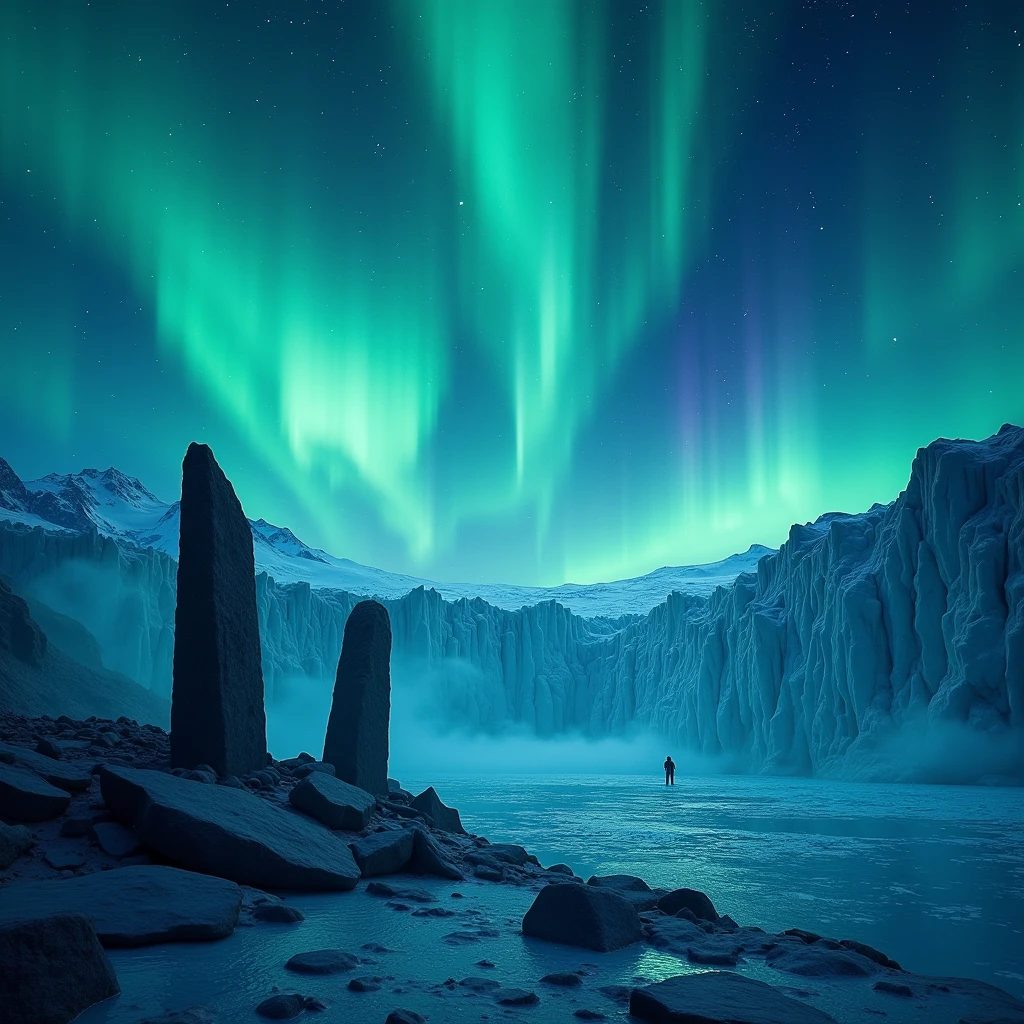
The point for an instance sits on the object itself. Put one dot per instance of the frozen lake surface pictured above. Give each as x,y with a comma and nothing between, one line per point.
931,875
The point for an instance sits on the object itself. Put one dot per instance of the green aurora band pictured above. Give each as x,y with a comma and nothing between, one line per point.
531,291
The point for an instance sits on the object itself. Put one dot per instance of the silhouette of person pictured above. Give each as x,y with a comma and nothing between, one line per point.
670,771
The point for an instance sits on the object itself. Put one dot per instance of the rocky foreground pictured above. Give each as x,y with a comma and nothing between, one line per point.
106,846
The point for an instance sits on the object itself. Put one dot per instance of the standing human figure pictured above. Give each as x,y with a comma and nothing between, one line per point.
670,771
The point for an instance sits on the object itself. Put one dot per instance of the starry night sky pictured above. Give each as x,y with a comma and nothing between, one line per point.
517,290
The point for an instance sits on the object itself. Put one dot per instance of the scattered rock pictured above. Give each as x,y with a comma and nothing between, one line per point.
516,997
871,953
24,796
217,715
228,832
433,912
894,988
357,730
49,749
115,839
133,906
64,860
335,803
486,964
53,968
310,767
820,962
562,869
445,818
427,858
322,961
719,997
688,899
278,913
383,853
474,984
365,984
506,853
564,979
283,1006
14,841
489,872
583,915
390,892
375,947
616,993
584,1014
404,1017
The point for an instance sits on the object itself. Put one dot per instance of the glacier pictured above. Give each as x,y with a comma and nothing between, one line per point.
863,637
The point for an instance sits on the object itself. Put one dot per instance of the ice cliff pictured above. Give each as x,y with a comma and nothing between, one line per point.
861,630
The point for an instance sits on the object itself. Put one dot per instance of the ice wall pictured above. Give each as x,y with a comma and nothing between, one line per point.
859,629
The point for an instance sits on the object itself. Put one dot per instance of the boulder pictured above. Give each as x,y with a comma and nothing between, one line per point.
283,1006
53,969
445,818
24,796
820,962
115,839
56,773
217,715
14,841
563,979
133,906
335,803
688,899
428,858
583,915
309,767
383,853
871,953
404,1017
357,730
322,961
719,997
49,749
189,1015
516,997
228,832
278,913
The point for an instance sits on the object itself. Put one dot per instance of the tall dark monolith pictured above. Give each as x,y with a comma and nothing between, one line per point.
217,715
357,731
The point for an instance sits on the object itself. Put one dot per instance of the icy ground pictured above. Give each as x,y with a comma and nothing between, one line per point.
934,876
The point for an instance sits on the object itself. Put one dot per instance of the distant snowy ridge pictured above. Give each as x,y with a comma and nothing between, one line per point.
867,644
119,506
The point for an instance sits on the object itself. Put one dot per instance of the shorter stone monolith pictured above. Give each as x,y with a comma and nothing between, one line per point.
217,715
357,731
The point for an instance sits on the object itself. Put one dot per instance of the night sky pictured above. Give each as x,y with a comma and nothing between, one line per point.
512,290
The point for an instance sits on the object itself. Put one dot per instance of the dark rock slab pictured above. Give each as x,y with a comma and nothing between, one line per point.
189,1015
634,889
688,899
278,913
217,715
383,853
516,997
871,953
115,839
365,984
228,832
283,1006
357,730
409,895
133,906
563,979
445,818
24,796
62,859
821,962
322,961
15,840
429,859
719,997
53,968
506,853
583,915
404,1017
310,767
335,803
48,748
564,869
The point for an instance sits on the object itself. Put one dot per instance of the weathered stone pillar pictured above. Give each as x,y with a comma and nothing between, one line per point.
357,731
217,715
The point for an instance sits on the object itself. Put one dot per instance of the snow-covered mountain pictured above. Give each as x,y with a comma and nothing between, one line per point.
887,643
120,507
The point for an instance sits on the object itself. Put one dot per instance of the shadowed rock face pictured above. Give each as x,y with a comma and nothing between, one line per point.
217,715
357,731
18,633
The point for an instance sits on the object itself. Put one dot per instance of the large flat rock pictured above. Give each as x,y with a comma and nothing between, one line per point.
57,773
217,715
53,969
719,997
335,803
384,853
24,796
229,832
134,906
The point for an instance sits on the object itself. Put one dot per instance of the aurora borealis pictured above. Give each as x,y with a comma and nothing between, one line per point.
521,290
